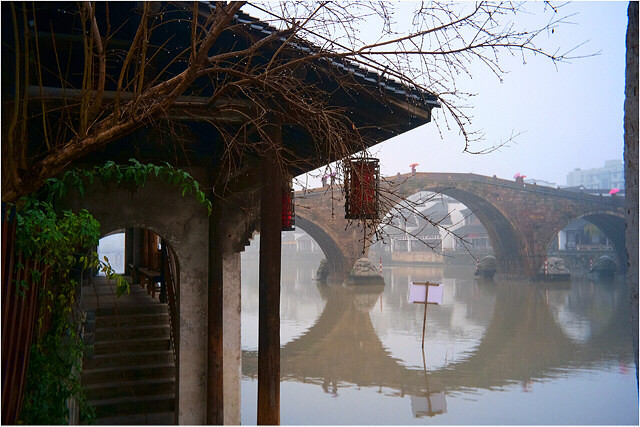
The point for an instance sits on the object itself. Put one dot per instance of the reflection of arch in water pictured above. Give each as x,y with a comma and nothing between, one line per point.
342,347
454,329
586,311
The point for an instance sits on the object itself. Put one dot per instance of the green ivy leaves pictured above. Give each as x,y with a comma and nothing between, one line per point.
135,173
122,286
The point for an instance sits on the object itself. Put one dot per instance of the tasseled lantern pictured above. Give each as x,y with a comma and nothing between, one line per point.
288,210
361,184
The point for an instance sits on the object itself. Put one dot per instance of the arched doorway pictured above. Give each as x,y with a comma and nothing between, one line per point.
182,223
130,377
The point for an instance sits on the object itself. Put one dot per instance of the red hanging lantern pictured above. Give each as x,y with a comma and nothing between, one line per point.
288,210
361,184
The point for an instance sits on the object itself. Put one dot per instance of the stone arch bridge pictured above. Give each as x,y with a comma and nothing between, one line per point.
521,219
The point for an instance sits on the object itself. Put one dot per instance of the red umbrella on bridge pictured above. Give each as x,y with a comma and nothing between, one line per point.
614,191
518,175
413,167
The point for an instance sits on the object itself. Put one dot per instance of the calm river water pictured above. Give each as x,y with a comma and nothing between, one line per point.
496,352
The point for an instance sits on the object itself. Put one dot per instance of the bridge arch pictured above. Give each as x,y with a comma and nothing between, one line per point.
336,259
508,244
611,223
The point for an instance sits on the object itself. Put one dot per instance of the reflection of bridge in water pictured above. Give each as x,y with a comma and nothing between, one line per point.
521,342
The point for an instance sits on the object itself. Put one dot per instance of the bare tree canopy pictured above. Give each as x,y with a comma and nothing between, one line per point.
80,77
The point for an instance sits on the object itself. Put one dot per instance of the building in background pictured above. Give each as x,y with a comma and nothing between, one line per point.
473,232
605,178
581,235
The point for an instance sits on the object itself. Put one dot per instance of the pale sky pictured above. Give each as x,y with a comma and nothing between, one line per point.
569,117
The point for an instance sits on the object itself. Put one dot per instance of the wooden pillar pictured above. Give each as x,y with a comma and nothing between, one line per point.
215,391
269,292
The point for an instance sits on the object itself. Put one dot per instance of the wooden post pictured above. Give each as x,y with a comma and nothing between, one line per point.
215,391
269,292
424,319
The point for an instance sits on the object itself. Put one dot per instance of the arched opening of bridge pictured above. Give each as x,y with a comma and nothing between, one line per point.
431,228
584,241
310,231
131,375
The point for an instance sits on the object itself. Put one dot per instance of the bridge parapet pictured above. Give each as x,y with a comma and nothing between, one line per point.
612,201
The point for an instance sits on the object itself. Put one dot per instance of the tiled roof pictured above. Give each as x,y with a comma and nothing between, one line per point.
365,76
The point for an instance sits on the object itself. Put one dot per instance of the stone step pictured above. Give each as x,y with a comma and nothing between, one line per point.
111,289
129,375
128,359
132,388
133,319
119,406
126,373
155,419
131,345
152,307
121,333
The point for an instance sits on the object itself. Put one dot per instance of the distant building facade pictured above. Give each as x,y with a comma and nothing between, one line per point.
581,235
607,177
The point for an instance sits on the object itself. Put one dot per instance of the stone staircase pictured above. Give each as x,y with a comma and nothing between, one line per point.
130,375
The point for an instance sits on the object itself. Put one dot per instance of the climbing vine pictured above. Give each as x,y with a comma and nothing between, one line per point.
63,243
135,173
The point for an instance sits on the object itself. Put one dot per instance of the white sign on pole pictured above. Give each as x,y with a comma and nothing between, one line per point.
418,291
